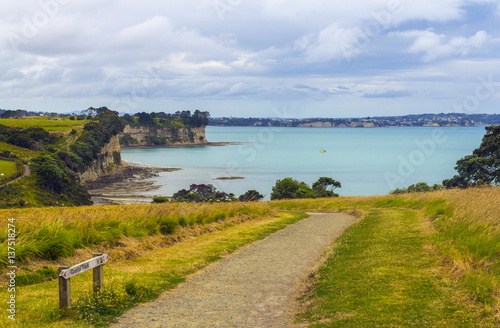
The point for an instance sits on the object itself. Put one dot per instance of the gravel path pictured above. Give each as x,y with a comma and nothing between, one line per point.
255,287
26,172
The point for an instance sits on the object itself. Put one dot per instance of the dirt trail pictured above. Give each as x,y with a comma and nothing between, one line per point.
26,172
255,287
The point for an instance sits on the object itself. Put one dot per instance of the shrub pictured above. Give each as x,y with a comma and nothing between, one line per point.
251,196
167,226
160,200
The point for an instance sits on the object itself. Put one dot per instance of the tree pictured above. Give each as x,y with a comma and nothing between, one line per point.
483,166
91,111
50,173
251,196
289,188
285,189
321,187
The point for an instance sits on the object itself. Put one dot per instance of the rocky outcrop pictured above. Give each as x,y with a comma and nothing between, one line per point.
109,158
143,136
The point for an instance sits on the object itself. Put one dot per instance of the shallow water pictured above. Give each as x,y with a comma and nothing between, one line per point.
366,161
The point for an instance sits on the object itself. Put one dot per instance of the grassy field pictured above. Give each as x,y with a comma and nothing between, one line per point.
424,260
145,260
51,124
419,260
7,168
22,153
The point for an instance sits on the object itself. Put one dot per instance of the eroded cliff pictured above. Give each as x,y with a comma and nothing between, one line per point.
143,136
109,159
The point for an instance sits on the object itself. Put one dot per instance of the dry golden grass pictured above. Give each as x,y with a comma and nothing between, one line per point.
52,233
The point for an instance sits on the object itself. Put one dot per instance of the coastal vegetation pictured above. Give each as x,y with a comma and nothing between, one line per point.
158,257
423,259
56,124
483,166
289,188
161,120
55,158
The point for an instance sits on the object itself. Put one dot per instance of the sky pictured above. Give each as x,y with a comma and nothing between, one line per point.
252,58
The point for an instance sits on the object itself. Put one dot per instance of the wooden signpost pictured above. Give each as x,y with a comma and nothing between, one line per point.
65,274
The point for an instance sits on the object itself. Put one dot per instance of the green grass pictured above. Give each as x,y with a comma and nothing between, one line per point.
382,274
7,168
414,260
54,233
22,153
131,280
48,123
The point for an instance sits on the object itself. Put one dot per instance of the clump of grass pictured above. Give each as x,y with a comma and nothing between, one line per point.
382,275
43,274
53,233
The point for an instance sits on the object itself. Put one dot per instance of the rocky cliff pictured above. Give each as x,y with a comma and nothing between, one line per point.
143,136
109,158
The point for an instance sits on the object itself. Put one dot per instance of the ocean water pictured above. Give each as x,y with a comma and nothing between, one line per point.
365,161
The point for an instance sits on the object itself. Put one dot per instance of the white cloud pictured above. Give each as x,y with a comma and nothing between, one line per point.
333,42
433,46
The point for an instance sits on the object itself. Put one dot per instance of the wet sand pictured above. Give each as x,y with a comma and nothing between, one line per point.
125,185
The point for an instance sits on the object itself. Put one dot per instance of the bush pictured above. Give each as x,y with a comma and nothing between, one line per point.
251,196
289,188
160,200
167,225
418,187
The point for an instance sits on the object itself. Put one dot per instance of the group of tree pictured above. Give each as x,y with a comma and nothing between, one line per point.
176,120
418,187
207,193
198,193
284,189
56,171
289,188
482,168
30,138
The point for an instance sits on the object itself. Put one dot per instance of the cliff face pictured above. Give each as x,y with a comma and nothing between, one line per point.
154,136
109,158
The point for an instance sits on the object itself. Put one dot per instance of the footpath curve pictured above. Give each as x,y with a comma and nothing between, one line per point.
255,287
26,172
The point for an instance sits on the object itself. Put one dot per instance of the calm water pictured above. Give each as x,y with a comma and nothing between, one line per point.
365,161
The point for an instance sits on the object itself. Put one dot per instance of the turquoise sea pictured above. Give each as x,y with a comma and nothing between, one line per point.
366,161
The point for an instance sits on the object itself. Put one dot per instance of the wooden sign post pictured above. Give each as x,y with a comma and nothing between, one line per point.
65,274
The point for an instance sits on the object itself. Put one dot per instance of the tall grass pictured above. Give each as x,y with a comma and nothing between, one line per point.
467,232
52,233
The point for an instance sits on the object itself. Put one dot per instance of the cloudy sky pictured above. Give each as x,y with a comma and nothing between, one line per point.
261,58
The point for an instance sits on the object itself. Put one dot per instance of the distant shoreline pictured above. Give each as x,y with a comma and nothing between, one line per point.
182,145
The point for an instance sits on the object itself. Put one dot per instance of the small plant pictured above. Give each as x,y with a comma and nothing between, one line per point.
251,196
167,225
100,308
159,200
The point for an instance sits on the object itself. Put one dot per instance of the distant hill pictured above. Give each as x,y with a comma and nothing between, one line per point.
450,119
